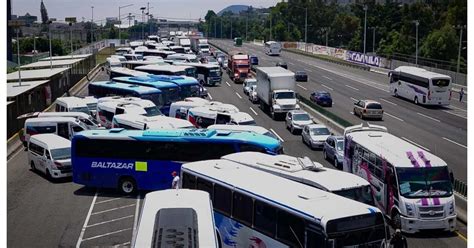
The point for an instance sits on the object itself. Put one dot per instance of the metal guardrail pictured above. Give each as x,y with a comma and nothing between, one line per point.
325,112
328,59
460,187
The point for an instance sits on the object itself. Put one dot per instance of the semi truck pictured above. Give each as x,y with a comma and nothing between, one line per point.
184,42
238,66
276,90
199,45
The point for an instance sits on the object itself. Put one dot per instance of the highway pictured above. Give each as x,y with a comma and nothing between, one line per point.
442,131
62,214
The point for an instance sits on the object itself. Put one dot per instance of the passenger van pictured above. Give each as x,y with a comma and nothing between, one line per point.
180,109
141,122
106,111
50,154
72,104
65,127
202,117
88,120
183,218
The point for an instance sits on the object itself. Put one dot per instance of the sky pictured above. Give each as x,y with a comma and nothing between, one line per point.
186,9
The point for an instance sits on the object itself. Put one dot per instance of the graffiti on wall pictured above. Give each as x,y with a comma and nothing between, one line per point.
363,59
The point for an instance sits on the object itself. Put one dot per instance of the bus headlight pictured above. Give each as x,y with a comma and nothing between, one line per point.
409,209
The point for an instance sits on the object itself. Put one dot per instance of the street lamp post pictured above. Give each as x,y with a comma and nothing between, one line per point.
459,51
231,28
92,25
305,27
417,23
34,44
50,47
365,25
373,38
143,22
70,36
120,21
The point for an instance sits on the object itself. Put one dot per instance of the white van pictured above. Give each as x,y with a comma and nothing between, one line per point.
65,127
140,122
244,128
88,120
72,104
107,109
204,116
50,154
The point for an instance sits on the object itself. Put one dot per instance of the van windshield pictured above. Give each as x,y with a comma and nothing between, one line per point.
81,109
152,111
61,153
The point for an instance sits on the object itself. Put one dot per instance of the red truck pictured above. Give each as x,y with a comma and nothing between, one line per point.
238,66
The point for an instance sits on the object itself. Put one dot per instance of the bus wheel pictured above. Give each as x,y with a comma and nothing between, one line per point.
396,220
416,100
127,185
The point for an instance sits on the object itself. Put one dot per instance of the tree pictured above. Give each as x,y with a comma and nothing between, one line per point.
441,44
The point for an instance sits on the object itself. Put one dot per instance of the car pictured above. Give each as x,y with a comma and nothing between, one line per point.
315,135
253,60
282,64
301,76
368,109
297,119
253,94
322,98
333,150
249,82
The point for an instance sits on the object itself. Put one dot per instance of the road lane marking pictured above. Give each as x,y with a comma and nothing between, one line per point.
393,116
429,117
238,95
122,245
416,144
307,69
107,234
105,222
227,83
328,78
353,99
454,142
113,209
109,200
291,63
327,87
354,88
394,104
454,107
461,236
278,136
253,111
83,230
451,113
209,94
301,87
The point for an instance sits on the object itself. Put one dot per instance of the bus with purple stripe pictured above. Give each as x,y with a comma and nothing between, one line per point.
411,186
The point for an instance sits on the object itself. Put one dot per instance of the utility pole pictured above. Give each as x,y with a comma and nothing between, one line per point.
50,47
417,23
143,22
246,25
231,28
373,39
459,51
365,26
215,28
120,21
221,28
92,25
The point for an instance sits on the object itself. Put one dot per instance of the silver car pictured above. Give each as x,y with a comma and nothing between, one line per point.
333,150
297,119
249,82
368,109
315,135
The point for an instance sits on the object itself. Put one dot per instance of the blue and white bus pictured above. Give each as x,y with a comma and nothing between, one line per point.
253,208
133,160
111,88
170,70
188,86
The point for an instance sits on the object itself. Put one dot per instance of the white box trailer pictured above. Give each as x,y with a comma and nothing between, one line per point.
276,90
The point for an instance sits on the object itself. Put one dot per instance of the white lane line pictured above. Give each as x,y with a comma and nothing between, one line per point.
121,245
454,142
393,116
327,87
429,117
415,144
291,63
253,111
354,88
135,219
105,222
301,87
328,78
227,83
278,136
307,69
238,95
83,230
113,209
16,154
353,99
394,104
107,234
454,107
209,94
458,115
109,200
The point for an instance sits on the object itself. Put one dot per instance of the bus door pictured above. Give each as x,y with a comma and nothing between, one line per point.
63,130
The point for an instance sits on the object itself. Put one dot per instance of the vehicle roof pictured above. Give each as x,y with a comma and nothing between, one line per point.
129,107
275,71
275,190
250,80
392,148
298,111
153,122
160,50
53,141
245,128
72,101
172,68
219,108
146,81
145,103
316,126
300,169
241,117
131,87
197,200
51,119
213,66
130,72
65,114
239,56
420,72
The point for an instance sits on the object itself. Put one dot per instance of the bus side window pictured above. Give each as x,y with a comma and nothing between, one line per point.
57,108
189,181
314,239
265,218
205,185
242,208
222,199
290,229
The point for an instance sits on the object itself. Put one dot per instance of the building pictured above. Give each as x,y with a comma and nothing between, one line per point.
28,19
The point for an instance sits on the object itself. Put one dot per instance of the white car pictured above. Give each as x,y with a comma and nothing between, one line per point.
297,119
253,94
249,82
315,135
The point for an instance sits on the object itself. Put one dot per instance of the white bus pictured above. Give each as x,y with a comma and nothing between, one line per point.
141,122
253,208
176,218
420,86
412,186
272,48
305,171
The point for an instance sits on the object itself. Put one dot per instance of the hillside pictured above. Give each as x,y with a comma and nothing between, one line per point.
234,9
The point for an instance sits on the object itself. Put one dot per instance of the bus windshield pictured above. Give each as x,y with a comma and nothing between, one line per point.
153,111
170,95
370,237
361,194
81,109
189,91
214,72
424,182
61,153
157,99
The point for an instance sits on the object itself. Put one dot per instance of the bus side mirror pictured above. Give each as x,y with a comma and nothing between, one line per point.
451,177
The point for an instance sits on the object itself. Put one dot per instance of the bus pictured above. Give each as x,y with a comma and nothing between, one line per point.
183,218
188,86
144,159
411,186
253,208
206,74
169,70
272,48
141,122
158,52
125,72
110,88
311,173
420,86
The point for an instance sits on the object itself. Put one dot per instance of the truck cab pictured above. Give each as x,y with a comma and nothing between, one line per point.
238,67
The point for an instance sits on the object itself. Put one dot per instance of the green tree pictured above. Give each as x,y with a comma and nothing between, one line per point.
441,44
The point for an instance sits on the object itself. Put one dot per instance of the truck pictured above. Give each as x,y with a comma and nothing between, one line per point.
184,42
199,45
238,66
237,41
276,90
